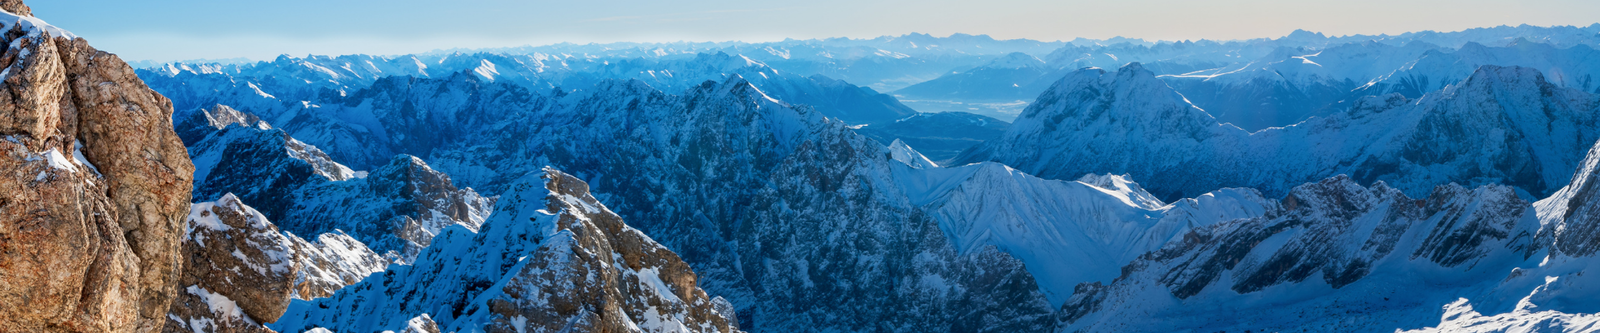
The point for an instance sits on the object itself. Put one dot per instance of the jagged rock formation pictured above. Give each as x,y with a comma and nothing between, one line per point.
552,259
395,209
240,271
1128,121
94,189
331,262
201,123
751,138
1329,249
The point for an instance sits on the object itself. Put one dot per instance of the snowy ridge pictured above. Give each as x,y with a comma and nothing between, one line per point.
1328,249
33,27
900,151
331,262
1065,232
402,204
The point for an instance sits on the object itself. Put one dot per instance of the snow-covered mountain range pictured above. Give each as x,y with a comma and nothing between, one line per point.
1506,125
1336,256
1426,181
1257,84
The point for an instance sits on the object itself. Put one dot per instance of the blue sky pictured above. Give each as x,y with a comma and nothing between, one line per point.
189,29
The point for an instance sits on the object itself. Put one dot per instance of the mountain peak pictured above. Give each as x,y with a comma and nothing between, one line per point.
1304,34
1134,68
1502,76
900,151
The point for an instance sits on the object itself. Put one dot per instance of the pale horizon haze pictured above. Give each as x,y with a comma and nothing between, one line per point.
197,29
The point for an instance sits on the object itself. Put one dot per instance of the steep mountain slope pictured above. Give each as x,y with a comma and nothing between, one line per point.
1334,256
768,202
552,259
396,209
689,168
1129,122
94,189
941,136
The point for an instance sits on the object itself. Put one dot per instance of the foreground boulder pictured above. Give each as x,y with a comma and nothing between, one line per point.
94,187
240,270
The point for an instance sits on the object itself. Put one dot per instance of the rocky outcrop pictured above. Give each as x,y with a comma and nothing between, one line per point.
16,7
553,259
332,261
94,190
240,270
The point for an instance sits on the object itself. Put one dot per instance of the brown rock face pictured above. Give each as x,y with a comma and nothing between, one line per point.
16,7
236,254
94,187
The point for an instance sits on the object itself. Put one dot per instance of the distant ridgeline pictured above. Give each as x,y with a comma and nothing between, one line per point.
1425,181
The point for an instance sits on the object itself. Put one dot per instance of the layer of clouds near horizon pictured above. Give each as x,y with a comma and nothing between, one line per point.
192,29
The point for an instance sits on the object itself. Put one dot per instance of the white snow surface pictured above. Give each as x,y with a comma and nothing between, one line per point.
1066,232
33,25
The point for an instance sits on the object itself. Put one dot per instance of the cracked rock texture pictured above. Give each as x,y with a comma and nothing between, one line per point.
94,187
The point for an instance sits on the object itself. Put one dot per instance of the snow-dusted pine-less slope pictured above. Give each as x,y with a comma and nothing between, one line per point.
1502,125
552,259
